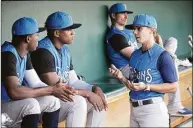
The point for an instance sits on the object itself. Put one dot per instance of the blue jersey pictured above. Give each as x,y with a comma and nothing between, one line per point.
144,67
116,57
20,67
62,61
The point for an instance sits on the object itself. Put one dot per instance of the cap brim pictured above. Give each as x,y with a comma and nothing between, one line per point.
129,26
129,12
41,29
74,26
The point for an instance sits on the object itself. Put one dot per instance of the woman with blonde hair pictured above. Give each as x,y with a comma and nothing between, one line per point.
153,75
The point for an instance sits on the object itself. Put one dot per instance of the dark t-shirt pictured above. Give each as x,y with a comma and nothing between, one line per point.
8,64
118,42
43,61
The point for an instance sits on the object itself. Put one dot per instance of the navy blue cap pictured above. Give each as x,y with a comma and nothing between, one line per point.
143,20
60,20
118,8
25,26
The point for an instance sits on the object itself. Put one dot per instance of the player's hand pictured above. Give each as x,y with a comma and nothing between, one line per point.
96,101
137,86
115,72
97,90
64,92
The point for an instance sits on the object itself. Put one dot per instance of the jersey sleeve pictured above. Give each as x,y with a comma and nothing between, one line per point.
167,68
118,42
43,61
8,64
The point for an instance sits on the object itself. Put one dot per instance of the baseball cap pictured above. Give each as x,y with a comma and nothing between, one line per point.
25,26
119,7
143,20
60,20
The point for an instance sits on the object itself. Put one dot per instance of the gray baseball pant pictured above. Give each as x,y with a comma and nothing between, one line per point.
151,115
80,113
16,110
174,102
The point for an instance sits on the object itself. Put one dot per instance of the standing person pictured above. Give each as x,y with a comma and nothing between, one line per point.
154,74
25,104
120,41
52,61
119,48
174,104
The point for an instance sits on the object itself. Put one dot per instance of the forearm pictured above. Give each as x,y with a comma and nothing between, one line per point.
124,81
23,92
79,84
164,88
84,93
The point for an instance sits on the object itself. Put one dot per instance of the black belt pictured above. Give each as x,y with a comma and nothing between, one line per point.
144,102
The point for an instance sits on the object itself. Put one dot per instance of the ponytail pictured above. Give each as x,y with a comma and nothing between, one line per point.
158,39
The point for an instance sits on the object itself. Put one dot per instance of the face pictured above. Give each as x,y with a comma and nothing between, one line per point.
66,36
33,41
121,18
142,34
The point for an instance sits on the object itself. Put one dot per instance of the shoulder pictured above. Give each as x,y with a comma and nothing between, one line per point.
165,55
8,56
41,52
165,59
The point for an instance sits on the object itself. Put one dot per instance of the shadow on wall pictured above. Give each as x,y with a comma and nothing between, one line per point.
107,29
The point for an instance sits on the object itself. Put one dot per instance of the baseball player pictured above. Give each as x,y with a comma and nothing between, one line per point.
120,41
52,61
174,105
25,104
154,74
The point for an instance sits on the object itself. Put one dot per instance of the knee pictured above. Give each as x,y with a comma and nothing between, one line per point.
52,103
80,102
100,114
31,107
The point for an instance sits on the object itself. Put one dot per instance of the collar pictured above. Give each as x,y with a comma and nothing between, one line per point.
150,51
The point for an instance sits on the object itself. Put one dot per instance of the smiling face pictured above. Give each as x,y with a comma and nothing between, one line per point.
120,18
143,34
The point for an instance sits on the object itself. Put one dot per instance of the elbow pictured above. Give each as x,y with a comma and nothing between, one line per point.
14,95
174,87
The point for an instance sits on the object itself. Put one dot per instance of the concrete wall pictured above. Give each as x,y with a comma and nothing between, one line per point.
88,51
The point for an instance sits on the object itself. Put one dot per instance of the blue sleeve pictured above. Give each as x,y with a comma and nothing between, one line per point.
167,68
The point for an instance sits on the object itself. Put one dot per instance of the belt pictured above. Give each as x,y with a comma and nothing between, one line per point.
144,102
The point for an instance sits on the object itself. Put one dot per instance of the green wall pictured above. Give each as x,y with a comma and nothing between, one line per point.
88,51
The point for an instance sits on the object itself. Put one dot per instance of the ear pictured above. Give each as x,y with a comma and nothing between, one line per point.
113,15
56,33
28,38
